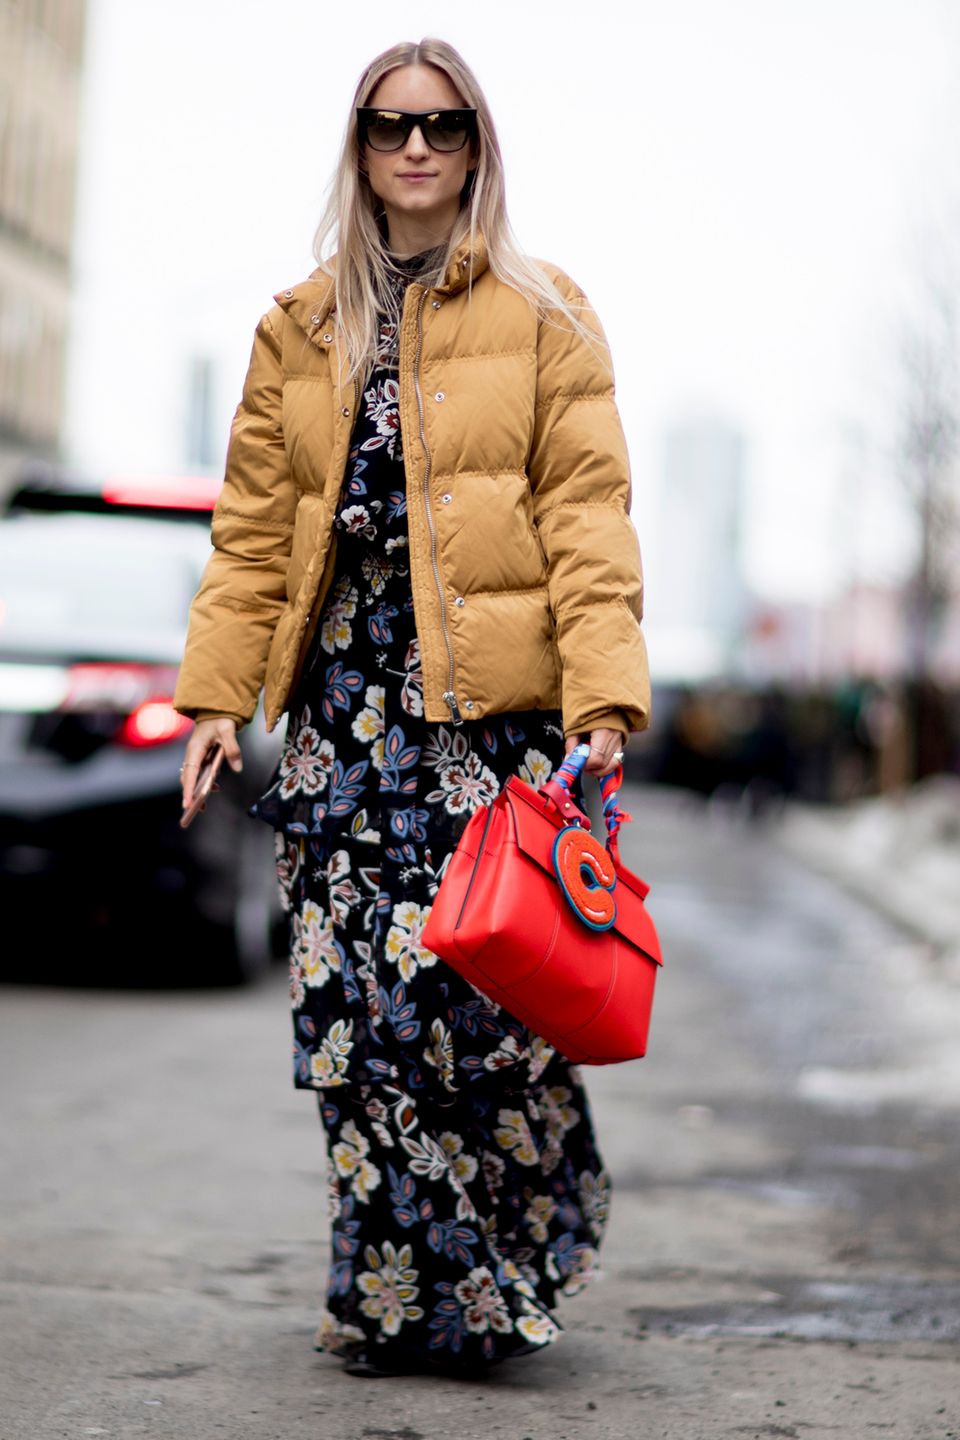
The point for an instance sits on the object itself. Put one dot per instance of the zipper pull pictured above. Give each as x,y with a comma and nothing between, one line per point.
451,700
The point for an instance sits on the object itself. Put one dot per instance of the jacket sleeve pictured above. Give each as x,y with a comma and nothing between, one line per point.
243,590
580,479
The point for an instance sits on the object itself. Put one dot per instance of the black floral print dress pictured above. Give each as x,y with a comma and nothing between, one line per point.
466,1189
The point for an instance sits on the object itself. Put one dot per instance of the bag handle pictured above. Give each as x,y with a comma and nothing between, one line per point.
561,783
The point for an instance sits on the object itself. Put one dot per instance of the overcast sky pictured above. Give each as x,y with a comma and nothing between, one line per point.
743,187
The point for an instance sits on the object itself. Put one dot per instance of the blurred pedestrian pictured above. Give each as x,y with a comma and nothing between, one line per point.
423,553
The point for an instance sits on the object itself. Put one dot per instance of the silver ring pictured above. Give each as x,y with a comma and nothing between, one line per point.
618,756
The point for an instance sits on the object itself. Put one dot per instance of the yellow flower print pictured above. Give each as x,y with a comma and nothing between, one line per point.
336,1337
464,1166
586,1268
439,1053
536,1327
539,1213
329,1064
404,945
536,768
350,1158
557,1111
316,949
336,631
368,726
389,1287
514,1134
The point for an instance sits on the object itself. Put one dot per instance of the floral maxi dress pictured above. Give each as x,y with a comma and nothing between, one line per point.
466,1190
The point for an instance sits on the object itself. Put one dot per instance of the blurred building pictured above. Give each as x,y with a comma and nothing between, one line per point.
41,52
700,601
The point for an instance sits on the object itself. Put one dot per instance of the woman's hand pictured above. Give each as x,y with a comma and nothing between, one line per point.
206,733
604,745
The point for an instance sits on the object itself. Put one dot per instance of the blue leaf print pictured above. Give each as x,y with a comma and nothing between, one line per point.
403,1194
340,685
397,757
378,623
514,734
396,504
399,1012
490,740
454,1240
346,785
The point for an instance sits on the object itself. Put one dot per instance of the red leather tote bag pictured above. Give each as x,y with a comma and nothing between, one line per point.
549,923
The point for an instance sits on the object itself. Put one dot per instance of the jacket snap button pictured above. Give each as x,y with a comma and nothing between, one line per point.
439,397
446,499
314,319
345,410
459,600
436,304
288,294
468,704
328,339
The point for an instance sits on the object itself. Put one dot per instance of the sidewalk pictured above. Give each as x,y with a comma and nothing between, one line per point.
901,853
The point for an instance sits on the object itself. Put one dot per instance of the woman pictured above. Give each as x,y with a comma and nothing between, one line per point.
423,552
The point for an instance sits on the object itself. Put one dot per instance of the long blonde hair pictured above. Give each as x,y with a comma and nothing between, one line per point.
350,225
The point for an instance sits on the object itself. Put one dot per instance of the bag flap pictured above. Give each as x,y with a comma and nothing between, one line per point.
536,821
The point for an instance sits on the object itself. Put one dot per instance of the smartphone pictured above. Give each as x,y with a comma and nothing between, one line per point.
206,778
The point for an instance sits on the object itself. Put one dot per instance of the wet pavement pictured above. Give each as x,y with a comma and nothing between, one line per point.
784,1253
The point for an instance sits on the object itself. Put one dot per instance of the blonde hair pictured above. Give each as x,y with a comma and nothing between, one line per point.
350,223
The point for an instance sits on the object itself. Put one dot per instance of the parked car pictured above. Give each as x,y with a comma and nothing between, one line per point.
97,880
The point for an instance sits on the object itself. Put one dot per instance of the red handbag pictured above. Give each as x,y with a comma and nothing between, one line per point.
548,923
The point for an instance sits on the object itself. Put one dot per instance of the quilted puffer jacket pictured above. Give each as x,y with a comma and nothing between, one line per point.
524,563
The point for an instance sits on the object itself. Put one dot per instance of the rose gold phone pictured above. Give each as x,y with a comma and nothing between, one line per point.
205,785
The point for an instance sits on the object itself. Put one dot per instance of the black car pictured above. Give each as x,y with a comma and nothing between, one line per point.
97,880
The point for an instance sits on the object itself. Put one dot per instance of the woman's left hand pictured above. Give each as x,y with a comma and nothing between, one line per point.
604,745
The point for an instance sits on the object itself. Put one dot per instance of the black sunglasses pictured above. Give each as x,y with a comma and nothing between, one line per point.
445,130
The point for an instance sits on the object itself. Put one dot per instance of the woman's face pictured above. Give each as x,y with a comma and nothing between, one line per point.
419,187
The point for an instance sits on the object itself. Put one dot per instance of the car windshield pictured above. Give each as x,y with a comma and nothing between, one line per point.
97,586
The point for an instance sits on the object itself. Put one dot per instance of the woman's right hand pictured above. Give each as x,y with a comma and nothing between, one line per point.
205,734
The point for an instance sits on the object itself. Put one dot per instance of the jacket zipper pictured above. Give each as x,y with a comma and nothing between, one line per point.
449,695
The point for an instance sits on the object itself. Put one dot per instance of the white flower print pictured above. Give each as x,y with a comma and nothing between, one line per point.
444,746
427,1158
297,987
330,1063
343,892
411,695
536,1327
368,726
336,632
350,1157
484,1307
404,944
540,1056
514,1135
305,765
439,1053
464,787
464,1166
536,768
493,1167
289,856
507,1054
336,1337
594,1192
314,945
378,1113
356,520
383,408
389,1287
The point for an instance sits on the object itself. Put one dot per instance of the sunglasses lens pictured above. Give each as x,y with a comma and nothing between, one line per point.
385,132
447,132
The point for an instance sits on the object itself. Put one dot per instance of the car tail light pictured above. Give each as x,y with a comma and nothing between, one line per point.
141,694
155,722
175,492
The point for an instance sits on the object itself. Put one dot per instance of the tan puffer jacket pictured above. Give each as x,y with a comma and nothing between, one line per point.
524,564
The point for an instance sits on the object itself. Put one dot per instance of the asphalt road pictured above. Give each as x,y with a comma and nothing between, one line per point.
784,1254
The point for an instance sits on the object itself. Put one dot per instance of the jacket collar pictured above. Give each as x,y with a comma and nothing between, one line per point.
311,302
